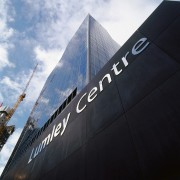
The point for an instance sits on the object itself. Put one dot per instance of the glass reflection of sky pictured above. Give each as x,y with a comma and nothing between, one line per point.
71,70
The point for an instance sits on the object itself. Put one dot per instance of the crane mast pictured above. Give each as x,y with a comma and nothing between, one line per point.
7,113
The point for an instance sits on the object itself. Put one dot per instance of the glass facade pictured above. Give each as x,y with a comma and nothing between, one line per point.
102,47
68,74
87,52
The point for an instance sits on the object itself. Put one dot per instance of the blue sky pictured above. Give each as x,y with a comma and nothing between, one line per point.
37,31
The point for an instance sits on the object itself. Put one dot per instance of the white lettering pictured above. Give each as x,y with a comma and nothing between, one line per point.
100,82
45,142
91,93
36,151
116,72
30,158
52,134
77,107
124,59
65,121
138,47
57,130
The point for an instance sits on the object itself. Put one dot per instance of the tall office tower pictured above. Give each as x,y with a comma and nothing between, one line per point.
87,52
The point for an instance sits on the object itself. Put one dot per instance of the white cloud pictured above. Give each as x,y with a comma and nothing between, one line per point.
12,87
65,93
10,84
47,59
123,18
8,148
4,57
62,18
44,100
1,98
6,33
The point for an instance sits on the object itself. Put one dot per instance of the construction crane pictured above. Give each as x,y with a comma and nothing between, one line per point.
6,113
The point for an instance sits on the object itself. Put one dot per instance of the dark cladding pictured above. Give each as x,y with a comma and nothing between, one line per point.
125,123
139,46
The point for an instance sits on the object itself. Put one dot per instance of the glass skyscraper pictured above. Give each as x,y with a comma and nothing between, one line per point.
87,52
